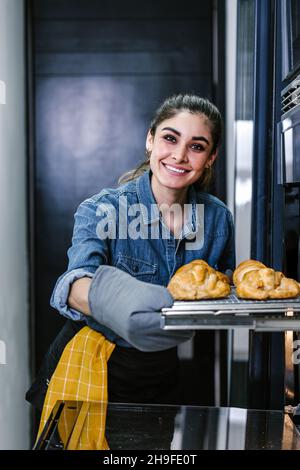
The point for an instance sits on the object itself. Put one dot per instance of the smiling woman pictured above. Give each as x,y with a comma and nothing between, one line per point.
177,158
178,222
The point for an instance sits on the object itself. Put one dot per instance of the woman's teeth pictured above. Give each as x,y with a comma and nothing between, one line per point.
175,170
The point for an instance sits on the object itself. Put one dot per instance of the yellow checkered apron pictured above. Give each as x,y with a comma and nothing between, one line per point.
81,375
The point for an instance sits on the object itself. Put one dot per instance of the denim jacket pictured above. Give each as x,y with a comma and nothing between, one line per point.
123,227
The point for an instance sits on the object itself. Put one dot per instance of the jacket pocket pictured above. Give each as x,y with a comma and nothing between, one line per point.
142,270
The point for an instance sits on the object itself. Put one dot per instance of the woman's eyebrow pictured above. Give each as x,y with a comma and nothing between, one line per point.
171,129
200,137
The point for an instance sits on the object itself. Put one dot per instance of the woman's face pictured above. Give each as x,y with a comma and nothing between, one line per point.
180,150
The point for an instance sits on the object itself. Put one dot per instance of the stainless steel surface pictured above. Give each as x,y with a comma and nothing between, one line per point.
290,97
232,312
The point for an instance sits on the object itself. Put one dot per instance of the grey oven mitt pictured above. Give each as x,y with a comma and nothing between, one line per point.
131,309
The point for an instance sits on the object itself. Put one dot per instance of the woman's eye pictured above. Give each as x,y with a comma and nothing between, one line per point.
198,147
170,138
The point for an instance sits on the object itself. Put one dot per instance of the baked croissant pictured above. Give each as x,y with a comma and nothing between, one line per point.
253,280
197,280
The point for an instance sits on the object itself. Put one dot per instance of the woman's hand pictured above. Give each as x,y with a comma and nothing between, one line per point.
79,294
131,308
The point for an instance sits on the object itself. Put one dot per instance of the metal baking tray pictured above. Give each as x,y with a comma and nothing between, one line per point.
233,304
232,312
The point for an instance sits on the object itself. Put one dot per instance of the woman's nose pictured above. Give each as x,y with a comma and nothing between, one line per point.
180,155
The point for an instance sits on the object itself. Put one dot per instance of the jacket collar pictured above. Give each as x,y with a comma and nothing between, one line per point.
149,207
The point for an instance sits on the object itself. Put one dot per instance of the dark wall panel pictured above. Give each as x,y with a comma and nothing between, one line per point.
91,9
120,35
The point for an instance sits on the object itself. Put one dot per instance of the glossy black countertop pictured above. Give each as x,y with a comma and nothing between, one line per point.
193,427
168,427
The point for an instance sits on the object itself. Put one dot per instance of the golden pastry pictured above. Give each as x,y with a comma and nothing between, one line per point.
197,280
253,280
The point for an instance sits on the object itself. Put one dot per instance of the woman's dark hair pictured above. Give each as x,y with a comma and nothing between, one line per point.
170,107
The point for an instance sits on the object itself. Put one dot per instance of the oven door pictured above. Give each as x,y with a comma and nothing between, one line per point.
289,136
289,31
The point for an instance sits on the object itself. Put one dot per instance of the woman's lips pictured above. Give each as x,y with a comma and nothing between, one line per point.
175,170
